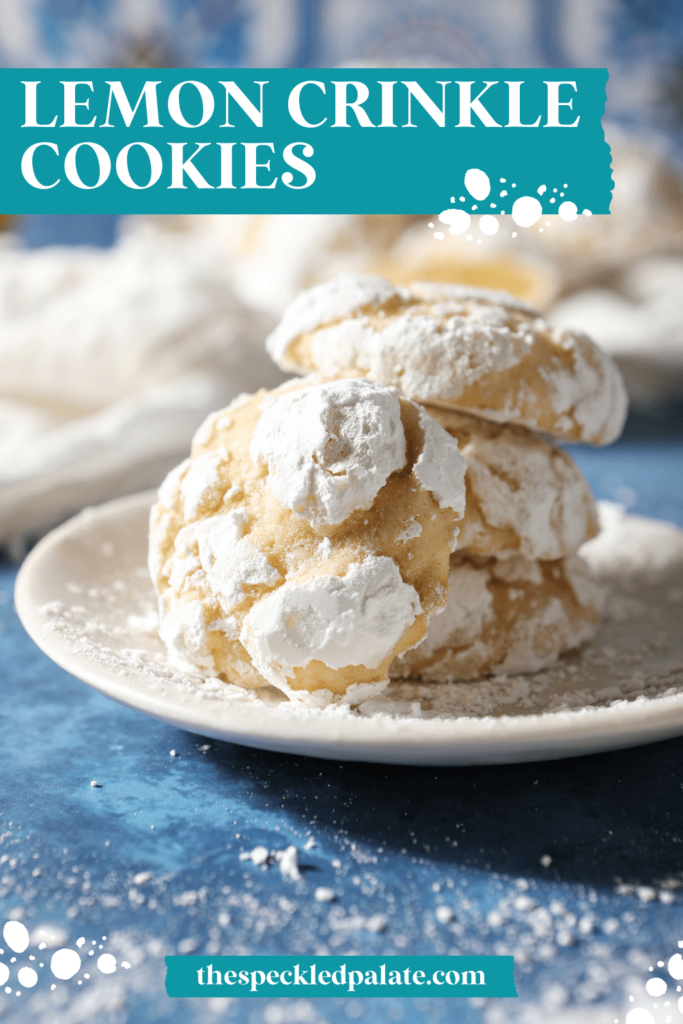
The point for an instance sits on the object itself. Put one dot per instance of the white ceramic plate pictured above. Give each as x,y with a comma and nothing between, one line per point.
85,597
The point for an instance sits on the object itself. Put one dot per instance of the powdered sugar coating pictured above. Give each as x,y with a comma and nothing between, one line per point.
355,619
202,479
513,616
330,447
336,299
524,495
471,349
440,467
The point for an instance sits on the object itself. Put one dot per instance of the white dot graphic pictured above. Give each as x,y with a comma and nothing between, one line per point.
655,987
27,977
526,211
542,189
567,211
4,973
458,221
477,183
15,935
638,1016
675,966
587,213
488,224
106,963
65,963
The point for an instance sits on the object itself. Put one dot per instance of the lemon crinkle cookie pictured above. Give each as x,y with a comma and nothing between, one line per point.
475,350
510,616
306,541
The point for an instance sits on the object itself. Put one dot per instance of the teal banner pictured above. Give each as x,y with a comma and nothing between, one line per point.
302,141
321,976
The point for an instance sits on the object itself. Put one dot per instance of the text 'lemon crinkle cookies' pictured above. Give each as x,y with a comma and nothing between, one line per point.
306,542
475,350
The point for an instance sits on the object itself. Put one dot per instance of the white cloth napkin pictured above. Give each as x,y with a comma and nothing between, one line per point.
109,361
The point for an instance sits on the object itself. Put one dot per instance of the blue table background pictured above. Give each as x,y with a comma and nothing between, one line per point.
393,842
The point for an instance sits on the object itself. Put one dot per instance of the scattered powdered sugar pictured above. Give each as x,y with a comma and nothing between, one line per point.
440,467
330,447
356,619
289,863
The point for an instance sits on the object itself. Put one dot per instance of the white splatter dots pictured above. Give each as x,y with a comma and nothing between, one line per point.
65,963
567,211
675,966
477,183
27,977
655,987
638,1016
488,224
4,973
542,189
458,221
526,211
587,213
15,935
439,236
106,963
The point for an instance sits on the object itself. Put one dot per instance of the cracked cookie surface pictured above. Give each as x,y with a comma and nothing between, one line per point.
474,350
511,616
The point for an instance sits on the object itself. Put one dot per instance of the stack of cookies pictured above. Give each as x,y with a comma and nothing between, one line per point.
401,510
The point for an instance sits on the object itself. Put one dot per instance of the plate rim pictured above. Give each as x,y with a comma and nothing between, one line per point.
454,741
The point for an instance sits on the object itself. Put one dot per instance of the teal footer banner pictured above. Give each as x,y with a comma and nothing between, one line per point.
321,976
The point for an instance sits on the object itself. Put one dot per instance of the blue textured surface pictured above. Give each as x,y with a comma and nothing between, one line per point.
391,841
